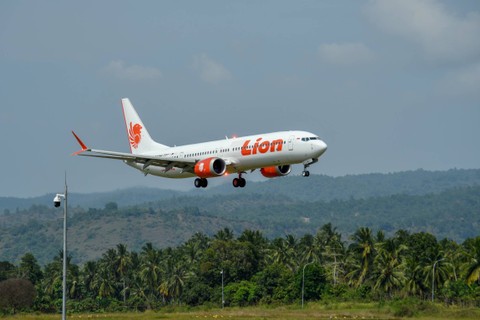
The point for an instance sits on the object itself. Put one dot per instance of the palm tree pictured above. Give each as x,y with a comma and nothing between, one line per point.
52,279
225,234
88,275
455,254
103,282
53,273
150,271
123,262
329,248
307,249
363,249
438,269
202,239
423,250
283,251
389,270
176,273
472,264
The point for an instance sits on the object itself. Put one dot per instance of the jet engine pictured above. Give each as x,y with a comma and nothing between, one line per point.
278,171
210,167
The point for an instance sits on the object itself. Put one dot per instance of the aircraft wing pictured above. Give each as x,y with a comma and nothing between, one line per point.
147,160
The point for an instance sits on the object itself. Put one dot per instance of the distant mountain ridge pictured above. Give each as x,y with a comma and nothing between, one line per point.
314,188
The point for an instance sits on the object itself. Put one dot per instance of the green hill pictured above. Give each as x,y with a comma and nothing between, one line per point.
454,213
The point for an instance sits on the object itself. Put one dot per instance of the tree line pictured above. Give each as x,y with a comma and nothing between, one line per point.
251,270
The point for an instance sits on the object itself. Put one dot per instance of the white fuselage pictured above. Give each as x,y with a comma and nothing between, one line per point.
271,153
242,153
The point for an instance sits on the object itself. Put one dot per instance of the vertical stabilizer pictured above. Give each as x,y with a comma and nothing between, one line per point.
138,136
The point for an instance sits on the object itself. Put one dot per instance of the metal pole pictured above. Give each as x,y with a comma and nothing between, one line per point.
64,298
303,281
223,299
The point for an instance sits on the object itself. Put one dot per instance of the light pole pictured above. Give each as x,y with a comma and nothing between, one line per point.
303,281
223,299
56,202
433,278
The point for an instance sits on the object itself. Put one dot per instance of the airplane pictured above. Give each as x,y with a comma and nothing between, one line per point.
272,153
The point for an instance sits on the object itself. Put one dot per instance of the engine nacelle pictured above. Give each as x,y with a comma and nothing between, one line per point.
210,167
278,171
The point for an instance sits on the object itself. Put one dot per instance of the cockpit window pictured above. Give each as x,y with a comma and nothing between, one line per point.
310,138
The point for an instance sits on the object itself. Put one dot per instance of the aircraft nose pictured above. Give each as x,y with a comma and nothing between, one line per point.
323,146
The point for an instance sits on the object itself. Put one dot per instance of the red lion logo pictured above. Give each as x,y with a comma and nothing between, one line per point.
135,134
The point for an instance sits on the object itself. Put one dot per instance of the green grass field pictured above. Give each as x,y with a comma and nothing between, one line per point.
311,311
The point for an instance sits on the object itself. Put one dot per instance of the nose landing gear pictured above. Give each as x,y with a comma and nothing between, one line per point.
306,164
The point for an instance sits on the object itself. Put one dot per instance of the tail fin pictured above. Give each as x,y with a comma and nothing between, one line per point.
138,136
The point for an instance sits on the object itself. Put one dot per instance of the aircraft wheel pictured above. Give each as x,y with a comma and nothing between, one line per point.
198,183
204,183
236,183
242,182
306,173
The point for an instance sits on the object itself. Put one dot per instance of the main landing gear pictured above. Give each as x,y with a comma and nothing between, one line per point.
200,183
239,182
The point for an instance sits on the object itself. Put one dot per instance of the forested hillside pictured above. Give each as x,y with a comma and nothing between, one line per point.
453,214
370,237
326,188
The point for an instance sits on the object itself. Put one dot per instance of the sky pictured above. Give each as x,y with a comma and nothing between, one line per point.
388,85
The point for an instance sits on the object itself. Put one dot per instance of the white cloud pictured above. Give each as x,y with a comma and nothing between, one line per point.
440,33
120,70
345,53
210,70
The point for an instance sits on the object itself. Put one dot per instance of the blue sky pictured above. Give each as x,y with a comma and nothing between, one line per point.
389,85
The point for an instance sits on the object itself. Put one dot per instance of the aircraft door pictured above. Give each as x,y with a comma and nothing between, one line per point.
290,143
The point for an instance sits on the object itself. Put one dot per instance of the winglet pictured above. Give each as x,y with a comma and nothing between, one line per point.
84,147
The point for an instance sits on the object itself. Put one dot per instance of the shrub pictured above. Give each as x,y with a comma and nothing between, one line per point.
16,294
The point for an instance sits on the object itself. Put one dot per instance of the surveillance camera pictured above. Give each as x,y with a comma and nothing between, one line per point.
56,201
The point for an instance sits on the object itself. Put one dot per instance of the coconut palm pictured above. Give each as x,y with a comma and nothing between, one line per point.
176,273
307,249
363,250
123,262
330,250
150,271
437,269
472,264
283,251
389,271
103,282
225,234
87,277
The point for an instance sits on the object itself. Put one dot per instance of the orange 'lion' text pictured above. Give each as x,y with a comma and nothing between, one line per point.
261,147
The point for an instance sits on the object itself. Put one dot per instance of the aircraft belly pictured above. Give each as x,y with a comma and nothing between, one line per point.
162,171
172,173
262,161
